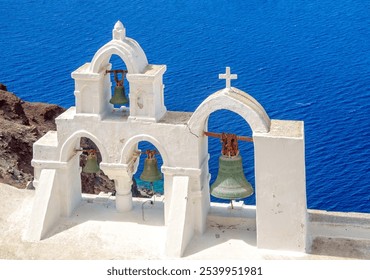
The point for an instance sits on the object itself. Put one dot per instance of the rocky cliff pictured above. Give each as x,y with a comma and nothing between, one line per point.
21,124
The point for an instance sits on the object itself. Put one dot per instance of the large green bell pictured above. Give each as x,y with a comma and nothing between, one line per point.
119,96
151,172
231,182
91,165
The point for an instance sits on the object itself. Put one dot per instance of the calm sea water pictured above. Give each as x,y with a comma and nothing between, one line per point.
302,60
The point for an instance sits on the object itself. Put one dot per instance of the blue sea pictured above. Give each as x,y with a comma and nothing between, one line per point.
302,60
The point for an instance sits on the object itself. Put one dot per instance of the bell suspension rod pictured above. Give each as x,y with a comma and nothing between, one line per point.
219,135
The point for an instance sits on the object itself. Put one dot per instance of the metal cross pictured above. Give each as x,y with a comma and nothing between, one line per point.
228,77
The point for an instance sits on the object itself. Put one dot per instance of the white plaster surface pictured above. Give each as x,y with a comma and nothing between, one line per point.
96,231
179,138
44,214
281,187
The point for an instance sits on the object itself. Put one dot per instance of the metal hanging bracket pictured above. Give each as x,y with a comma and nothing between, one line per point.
115,72
229,142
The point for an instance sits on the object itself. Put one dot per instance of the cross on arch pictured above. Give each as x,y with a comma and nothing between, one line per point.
228,77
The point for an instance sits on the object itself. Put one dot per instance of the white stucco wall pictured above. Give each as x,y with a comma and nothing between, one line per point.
179,137
281,187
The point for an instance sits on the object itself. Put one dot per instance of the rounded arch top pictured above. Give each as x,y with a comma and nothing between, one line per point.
130,145
126,48
69,145
234,100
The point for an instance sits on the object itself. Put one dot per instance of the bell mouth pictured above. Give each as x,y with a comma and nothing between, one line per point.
226,157
231,183
231,196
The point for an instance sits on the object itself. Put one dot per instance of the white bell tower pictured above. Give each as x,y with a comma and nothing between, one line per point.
180,138
93,83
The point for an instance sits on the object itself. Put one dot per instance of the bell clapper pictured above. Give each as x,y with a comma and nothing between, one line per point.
152,188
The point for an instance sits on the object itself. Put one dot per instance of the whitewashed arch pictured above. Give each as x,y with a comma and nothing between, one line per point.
127,49
233,100
130,144
70,144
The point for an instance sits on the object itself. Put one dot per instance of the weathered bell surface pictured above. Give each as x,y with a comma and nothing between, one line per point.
231,182
91,165
151,172
119,96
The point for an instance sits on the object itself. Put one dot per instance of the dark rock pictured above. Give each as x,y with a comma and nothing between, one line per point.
11,108
3,87
21,124
17,136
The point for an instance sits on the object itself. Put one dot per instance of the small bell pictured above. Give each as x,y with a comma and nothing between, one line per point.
151,172
91,165
119,97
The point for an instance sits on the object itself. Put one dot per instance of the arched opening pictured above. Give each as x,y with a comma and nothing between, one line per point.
144,186
242,215
93,182
134,151
119,96
148,186
235,124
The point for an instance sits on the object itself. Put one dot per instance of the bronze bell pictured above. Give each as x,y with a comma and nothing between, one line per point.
231,183
91,165
119,96
151,172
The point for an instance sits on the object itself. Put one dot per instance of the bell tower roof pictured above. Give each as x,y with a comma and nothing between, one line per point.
119,31
118,25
